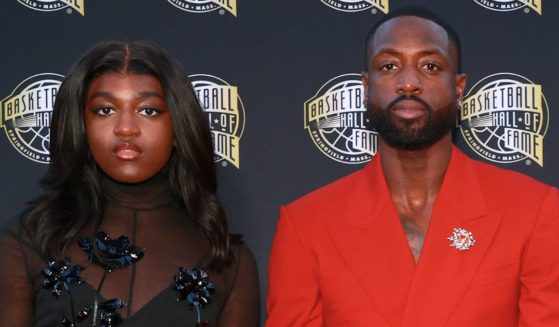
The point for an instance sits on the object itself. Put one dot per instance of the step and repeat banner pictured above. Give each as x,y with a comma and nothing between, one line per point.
280,84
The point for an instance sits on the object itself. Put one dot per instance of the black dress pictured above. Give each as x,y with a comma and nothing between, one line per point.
153,221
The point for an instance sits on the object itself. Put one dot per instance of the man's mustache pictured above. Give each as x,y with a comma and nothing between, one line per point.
409,97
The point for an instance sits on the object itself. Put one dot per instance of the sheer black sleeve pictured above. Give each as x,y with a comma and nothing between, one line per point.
16,300
243,305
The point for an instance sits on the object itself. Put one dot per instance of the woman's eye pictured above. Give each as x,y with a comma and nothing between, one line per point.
150,112
104,111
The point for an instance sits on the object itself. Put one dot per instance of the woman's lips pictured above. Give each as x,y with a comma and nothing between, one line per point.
127,151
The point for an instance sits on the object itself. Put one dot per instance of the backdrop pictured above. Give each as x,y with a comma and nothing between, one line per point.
279,81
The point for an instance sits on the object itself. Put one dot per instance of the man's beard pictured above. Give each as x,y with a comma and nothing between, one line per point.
412,134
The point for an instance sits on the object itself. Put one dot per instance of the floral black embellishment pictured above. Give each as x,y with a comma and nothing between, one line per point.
109,317
195,287
58,276
67,323
82,315
111,254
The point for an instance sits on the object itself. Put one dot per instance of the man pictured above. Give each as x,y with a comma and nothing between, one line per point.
422,235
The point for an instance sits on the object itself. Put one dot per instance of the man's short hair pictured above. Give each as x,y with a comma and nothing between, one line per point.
417,11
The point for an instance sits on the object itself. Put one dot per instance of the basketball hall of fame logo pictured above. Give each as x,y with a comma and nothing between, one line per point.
204,6
226,115
337,121
54,5
358,5
504,118
26,115
509,5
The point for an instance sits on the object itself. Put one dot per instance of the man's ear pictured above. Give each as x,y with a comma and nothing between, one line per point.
365,82
460,86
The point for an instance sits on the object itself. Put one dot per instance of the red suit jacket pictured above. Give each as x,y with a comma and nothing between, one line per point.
340,256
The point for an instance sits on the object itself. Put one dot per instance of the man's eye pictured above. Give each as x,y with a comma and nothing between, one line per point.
104,111
388,67
150,112
431,67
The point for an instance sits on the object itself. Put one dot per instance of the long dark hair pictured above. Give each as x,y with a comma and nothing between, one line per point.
73,194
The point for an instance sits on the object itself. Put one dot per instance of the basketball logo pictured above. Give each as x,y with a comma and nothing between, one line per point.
26,115
358,5
226,115
337,121
510,5
204,6
54,5
504,118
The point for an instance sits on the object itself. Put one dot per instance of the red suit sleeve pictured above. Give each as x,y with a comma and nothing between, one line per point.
293,293
539,289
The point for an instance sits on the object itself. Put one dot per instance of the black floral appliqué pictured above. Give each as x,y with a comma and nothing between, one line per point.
108,316
194,286
81,316
111,254
58,276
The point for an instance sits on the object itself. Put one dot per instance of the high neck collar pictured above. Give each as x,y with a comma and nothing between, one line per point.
150,194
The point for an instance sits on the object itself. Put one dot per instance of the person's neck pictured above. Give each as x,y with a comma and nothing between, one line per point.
149,194
415,177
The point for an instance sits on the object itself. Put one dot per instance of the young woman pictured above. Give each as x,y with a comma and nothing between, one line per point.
129,231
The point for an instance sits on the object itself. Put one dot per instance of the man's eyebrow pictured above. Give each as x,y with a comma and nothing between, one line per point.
388,51
425,52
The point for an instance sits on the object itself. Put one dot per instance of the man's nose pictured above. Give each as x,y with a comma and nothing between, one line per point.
409,82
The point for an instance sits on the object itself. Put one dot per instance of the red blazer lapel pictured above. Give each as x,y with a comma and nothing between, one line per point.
443,272
370,240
